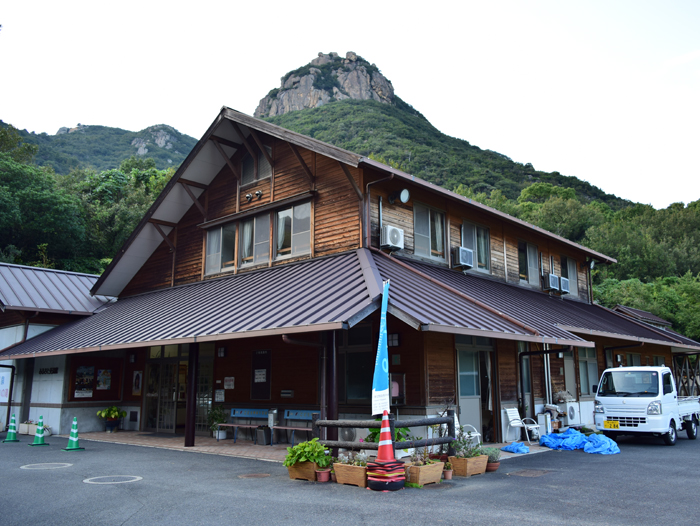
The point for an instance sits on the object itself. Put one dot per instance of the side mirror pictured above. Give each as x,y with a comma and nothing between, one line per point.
594,388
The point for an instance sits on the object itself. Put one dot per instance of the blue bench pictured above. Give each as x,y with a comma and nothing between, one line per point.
292,415
246,414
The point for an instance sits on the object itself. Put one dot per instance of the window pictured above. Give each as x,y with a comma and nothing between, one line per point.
293,231
429,232
254,169
588,369
255,240
527,263
477,239
659,361
221,246
569,271
634,359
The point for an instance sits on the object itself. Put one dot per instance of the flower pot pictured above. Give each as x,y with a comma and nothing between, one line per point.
303,471
323,475
422,475
447,474
492,466
466,467
333,477
352,475
112,425
221,434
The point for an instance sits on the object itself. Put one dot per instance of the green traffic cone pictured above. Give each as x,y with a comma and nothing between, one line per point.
39,437
12,431
73,443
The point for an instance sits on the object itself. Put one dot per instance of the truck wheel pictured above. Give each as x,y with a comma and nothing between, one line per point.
691,428
671,436
611,435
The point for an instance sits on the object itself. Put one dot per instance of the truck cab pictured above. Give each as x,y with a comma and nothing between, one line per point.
643,401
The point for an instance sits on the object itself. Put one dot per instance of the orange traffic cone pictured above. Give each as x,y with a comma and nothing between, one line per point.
386,448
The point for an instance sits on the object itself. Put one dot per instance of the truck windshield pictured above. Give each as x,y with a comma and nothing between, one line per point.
629,383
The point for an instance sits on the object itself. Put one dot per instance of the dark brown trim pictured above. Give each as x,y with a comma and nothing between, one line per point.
228,161
165,237
225,142
257,140
248,147
194,199
352,181
252,211
193,183
162,223
304,166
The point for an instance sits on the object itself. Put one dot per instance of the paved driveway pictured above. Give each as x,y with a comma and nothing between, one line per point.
647,484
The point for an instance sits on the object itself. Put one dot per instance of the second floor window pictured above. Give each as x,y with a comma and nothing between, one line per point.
569,271
221,247
293,234
254,169
528,265
255,240
476,238
428,232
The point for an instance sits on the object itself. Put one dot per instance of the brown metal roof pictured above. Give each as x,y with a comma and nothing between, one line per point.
319,294
642,315
47,290
546,313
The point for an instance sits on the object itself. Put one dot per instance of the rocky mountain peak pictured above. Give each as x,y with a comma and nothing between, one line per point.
325,79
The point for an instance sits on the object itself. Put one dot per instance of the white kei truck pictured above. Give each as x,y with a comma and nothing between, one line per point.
644,401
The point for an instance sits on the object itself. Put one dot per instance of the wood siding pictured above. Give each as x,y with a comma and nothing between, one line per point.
507,356
440,368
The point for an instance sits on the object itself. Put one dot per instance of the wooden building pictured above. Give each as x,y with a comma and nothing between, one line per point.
255,281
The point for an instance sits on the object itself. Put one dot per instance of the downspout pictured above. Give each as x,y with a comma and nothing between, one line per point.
537,353
368,227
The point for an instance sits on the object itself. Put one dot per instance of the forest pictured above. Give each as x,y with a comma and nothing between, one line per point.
78,220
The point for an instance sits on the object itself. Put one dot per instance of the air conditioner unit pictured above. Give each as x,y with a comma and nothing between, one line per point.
392,237
573,413
462,257
564,285
551,282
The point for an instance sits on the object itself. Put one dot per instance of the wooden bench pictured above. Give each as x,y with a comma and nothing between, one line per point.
293,414
249,414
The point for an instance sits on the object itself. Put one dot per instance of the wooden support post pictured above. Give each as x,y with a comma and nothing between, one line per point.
248,147
300,159
352,180
315,431
392,429
194,199
165,237
191,410
332,433
231,167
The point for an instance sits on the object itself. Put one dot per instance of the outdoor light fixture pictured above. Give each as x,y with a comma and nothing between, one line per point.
401,195
249,197
258,194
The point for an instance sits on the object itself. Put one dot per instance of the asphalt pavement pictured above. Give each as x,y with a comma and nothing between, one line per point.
648,483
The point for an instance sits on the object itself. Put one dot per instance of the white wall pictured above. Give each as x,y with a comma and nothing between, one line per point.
48,389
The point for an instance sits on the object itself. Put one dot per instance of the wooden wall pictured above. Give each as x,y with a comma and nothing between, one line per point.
440,368
507,357
412,357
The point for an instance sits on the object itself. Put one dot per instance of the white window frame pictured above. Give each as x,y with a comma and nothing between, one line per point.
213,260
571,269
470,240
416,235
587,366
533,267
293,235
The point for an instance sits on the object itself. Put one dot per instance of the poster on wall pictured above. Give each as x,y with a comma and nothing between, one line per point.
260,376
84,378
4,387
220,395
104,379
229,382
136,385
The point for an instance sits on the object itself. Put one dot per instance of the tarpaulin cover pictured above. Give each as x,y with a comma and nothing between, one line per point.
516,447
572,439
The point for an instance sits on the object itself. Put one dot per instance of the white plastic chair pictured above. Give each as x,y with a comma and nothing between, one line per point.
472,433
514,420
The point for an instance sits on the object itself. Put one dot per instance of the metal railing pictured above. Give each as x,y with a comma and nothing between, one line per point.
393,424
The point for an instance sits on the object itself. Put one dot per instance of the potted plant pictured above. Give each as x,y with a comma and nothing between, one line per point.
423,469
447,471
112,416
351,470
303,459
494,460
323,473
216,416
469,459
29,428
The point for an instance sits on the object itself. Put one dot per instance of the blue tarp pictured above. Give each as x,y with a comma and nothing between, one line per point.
516,447
572,439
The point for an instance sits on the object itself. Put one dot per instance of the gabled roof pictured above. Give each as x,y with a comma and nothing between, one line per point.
642,315
36,289
205,161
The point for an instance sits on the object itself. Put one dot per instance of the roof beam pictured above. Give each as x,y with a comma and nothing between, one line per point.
162,223
226,158
225,142
301,161
352,181
165,237
256,137
194,199
245,141
192,183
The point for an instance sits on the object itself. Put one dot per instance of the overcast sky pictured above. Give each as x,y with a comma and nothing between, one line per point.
607,91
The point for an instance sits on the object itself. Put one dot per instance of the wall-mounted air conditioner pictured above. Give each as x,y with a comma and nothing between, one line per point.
462,257
551,282
564,285
392,237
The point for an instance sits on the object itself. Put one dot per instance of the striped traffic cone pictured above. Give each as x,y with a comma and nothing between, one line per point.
73,443
386,448
39,437
12,431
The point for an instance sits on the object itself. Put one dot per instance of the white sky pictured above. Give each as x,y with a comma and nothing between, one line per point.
605,91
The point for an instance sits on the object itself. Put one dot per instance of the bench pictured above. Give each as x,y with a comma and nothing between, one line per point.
291,415
248,414
514,421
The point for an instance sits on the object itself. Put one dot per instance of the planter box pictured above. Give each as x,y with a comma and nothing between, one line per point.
303,471
30,429
352,475
221,434
422,475
466,467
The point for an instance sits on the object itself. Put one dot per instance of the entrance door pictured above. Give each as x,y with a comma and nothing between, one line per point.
469,389
570,373
166,386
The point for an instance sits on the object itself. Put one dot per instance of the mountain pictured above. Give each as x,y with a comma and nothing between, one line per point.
349,103
104,148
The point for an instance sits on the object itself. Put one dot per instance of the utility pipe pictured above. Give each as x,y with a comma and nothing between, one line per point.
368,228
535,353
